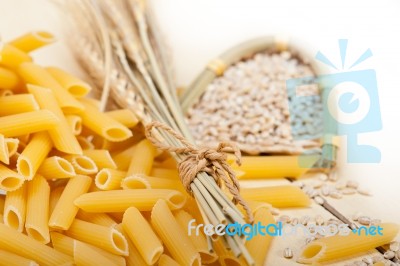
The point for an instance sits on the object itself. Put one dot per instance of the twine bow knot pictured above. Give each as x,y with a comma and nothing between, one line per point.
212,161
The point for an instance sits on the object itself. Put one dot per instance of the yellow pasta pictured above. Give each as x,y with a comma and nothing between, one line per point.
4,154
26,123
8,79
65,211
86,255
142,158
164,173
10,180
124,116
19,103
103,125
256,167
37,209
33,40
173,236
27,247
166,260
6,93
96,218
15,208
134,258
11,259
142,181
56,167
55,195
75,124
120,200
101,158
36,75
82,164
107,238
12,57
279,196
339,246
12,145
123,158
2,202
73,85
199,241
104,144
61,135
143,237
85,143
34,154
225,256
109,179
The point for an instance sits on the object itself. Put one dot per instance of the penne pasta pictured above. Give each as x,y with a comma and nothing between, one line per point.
120,200
65,211
8,79
96,218
86,255
27,247
2,202
165,173
61,135
134,258
56,167
109,179
4,154
12,145
107,238
6,93
124,116
103,125
82,164
15,208
16,104
173,236
34,154
225,256
37,209
101,158
199,241
278,196
10,180
12,57
33,40
123,159
166,260
36,75
26,123
143,237
73,85
137,181
256,167
55,195
85,143
142,158
75,124
339,246
11,259
111,146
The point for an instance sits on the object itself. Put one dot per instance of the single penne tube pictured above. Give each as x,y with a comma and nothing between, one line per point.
164,173
82,164
262,167
34,154
10,180
109,179
55,195
65,210
33,40
15,208
75,124
61,135
70,83
12,145
12,57
26,123
88,255
259,244
138,181
340,246
142,158
123,158
278,196
166,260
55,167
101,158
124,116
30,248
8,79
16,104
4,154
173,236
143,237
107,238
96,218
85,143
199,241
37,209
11,259
103,125
36,75
134,258
120,200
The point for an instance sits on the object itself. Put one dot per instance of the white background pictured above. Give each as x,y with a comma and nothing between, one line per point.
197,31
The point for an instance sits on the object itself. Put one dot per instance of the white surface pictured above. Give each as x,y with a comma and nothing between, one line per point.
198,31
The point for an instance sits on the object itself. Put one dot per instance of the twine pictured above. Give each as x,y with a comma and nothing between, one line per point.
212,161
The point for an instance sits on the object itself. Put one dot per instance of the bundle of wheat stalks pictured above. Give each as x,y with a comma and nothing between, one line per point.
117,43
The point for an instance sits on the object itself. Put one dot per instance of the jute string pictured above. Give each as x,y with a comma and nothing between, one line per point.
212,161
